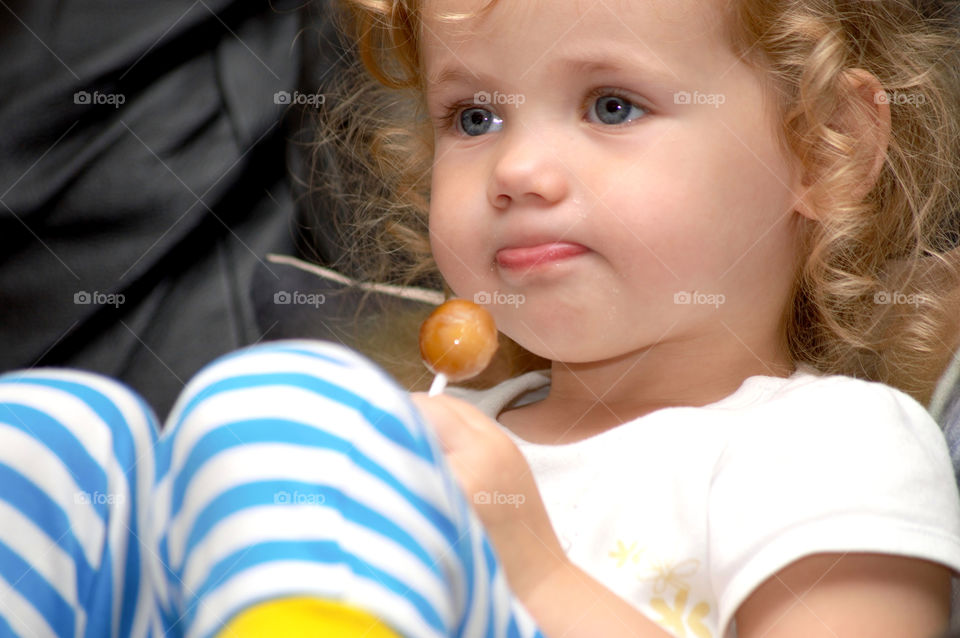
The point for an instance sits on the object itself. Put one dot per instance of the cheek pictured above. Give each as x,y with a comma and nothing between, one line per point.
454,191
652,218
454,231
685,216
753,199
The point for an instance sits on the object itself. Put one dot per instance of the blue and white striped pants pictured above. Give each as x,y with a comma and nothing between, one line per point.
289,469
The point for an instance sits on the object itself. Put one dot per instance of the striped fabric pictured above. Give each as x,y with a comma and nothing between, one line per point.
76,469
288,469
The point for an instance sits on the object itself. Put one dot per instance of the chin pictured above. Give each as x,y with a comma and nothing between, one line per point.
553,347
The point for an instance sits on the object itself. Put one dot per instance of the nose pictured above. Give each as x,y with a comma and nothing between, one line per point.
527,170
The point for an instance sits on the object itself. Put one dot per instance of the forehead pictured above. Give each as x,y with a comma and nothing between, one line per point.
667,33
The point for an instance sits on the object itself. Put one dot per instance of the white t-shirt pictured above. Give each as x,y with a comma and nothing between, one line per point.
685,511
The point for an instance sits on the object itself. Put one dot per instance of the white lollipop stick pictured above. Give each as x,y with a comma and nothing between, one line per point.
438,385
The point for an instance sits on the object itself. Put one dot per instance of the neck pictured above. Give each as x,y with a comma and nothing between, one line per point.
665,375
588,398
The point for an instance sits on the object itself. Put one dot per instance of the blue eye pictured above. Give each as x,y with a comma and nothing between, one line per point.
478,121
613,109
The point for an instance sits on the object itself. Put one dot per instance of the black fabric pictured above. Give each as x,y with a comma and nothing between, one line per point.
170,199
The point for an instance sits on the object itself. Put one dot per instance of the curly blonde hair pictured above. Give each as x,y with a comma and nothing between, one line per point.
877,295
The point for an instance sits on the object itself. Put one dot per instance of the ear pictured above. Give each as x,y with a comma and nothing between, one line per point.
868,120
863,113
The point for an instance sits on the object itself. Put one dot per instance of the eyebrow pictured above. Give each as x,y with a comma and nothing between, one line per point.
455,75
576,65
614,64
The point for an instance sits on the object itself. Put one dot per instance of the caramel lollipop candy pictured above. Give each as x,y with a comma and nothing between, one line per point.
457,341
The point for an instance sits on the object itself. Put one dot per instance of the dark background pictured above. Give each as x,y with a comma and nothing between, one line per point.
171,199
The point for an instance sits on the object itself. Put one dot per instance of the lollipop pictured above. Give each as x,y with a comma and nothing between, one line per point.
457,341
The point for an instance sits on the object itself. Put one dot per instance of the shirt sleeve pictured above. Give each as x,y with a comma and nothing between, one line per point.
840,465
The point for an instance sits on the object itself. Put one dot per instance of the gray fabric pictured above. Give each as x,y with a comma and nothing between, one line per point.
945,408
947,392
515,392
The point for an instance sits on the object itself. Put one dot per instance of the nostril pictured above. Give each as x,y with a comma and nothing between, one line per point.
502,201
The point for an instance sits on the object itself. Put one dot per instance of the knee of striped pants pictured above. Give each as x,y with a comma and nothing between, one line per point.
76,467
300,469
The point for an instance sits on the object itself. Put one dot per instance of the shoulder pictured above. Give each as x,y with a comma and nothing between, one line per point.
808,407
837,392
829,464
838,433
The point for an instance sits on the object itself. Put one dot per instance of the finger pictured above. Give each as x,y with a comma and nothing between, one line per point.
466,413
456,422
442,419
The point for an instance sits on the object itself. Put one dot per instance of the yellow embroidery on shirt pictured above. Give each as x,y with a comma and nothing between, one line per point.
663,575
665,572
623,553
672,618
694,620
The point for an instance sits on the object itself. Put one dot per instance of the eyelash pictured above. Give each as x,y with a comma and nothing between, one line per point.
447,119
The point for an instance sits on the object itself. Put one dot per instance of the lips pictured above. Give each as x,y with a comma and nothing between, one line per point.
525,257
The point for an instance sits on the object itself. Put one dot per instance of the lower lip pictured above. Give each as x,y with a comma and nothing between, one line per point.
530,256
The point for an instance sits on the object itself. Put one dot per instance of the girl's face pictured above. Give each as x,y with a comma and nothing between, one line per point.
607,175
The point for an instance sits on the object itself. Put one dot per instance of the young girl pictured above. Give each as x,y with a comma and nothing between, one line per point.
703,213
711,218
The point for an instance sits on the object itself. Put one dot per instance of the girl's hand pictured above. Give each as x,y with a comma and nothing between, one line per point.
498,482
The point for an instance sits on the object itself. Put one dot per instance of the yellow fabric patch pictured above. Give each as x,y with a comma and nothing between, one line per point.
303,618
